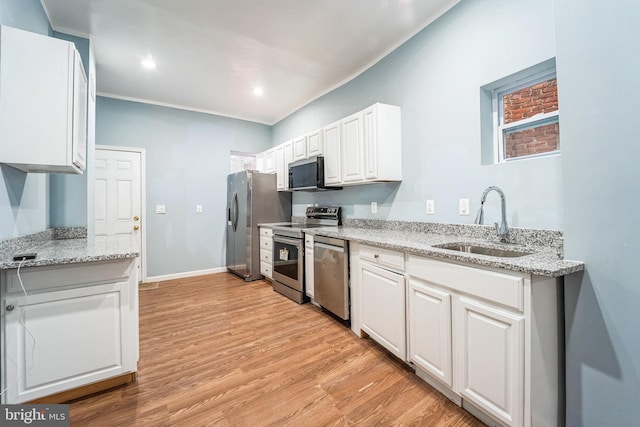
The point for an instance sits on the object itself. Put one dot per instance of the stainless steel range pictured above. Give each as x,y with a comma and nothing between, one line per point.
288,251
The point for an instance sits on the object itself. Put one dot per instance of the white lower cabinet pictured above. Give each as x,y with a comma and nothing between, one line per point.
58,339
486,338
308,264
491,359
430,330
266,252
383,301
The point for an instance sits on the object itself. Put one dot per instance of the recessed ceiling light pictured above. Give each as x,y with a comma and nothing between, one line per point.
258,91
148,63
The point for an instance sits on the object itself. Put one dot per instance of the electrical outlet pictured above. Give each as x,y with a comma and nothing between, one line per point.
161,209
198,208
374,207
463,207
431,207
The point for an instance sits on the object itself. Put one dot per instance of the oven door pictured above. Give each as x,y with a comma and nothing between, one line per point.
288,262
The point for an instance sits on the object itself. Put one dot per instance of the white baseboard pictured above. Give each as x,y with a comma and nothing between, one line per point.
185,274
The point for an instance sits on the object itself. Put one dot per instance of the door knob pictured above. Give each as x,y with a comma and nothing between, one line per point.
136,218
136,227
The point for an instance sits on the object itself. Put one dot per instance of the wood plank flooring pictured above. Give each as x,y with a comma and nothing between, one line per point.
216,351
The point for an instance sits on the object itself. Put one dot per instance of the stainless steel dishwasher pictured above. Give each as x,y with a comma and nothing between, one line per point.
331,275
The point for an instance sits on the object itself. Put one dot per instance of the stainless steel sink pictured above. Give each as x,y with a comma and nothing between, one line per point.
482,250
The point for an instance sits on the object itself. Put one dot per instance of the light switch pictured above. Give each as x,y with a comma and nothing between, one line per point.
161,209
199,209
374,207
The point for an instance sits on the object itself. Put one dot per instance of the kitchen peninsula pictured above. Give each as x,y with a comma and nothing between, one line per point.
70,316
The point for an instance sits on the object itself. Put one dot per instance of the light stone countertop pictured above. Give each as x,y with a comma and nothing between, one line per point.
70,251
543,261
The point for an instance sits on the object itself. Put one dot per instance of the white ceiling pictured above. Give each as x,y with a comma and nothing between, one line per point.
210,54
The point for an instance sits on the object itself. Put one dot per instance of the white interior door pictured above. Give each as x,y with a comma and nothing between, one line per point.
118,197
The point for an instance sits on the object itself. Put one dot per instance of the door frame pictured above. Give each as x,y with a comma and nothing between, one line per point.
143,202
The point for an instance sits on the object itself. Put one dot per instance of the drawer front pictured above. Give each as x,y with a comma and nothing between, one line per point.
266,256
506,289
265,270
38,279
266,243
383,257
266,232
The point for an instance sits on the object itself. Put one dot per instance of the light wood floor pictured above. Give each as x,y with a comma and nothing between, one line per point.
216,351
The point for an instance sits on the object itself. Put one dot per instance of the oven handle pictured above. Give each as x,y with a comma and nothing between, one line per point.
294,242
329,247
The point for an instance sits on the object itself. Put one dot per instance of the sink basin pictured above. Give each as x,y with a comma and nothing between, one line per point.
482,250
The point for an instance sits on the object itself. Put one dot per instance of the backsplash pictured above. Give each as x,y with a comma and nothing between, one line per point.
552,239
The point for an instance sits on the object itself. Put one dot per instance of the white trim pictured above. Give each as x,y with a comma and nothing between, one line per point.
143,201
181,107
186,274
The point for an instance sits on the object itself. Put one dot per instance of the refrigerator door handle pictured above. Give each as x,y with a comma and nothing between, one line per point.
234,219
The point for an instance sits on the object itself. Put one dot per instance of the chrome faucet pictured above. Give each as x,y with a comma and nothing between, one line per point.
503,229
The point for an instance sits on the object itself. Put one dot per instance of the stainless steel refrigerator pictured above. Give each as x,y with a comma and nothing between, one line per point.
252,199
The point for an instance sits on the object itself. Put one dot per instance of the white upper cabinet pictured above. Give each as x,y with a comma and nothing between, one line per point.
284,156
332,158
300,148
382,143
368,148
352,149
269,161
43,107
315,143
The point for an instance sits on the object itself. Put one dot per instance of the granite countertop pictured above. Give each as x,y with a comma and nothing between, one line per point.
544,261
70,251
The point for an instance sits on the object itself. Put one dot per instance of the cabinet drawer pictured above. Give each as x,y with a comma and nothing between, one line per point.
501,288
383,257
266,232
266,243
266,256
265,269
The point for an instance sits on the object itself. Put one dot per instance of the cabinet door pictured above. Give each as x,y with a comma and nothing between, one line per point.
315,146
332,154
383,307
60,340
300,148
352,149
369,118
280,167
430,329
79,113
288,158
269,161
491,359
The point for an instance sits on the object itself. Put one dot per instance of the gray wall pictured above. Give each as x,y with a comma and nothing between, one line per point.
187,159
598,63
435,78
23,197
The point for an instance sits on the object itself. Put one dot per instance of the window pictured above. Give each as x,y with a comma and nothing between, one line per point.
526,117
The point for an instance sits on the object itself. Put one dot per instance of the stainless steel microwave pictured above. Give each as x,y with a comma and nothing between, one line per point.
308,175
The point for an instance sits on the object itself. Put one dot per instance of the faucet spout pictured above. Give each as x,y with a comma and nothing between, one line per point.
502,230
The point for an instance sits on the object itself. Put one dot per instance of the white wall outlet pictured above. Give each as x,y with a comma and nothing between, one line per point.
374,207
161,209
431,207
463,207
199,209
